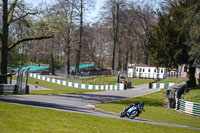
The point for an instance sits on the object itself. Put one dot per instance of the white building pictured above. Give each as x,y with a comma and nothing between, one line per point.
149,72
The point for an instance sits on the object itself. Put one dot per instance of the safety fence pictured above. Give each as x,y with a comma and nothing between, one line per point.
160,85
188,107
7,89
16,87
32,68
79,85
22,81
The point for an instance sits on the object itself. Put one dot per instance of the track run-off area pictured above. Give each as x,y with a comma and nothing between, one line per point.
84,102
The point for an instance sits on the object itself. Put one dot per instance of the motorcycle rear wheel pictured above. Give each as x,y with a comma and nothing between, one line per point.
122,114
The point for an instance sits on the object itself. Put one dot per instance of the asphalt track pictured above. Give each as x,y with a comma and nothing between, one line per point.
83,103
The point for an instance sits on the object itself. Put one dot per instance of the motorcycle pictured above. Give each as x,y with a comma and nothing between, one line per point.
134,110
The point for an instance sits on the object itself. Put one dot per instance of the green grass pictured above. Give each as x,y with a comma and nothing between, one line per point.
109,80
136,81
173,80
155,110
193,95
26,119
60,89
55,88
94,80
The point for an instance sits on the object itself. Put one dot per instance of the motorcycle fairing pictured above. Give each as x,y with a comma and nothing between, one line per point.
130,110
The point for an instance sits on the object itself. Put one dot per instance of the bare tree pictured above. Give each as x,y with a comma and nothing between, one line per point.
8,19
111,15
69,9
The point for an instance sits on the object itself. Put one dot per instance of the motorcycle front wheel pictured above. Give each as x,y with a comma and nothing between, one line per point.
133,114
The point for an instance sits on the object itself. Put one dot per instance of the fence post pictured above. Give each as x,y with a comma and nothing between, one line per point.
177,104
150,85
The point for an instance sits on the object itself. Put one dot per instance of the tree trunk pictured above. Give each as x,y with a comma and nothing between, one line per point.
126,61
68,62
4,40
78,55
119,59
69,43
131,57
52,65
115,33
146,56
192,79
68,52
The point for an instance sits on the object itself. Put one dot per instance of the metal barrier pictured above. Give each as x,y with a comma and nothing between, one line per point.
22,81
188,107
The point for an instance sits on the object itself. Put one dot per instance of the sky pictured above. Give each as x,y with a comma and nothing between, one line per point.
91,16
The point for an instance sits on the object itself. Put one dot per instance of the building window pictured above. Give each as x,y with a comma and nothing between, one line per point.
143,69
161,70
158,70
140,69
149,70
137,69
155,70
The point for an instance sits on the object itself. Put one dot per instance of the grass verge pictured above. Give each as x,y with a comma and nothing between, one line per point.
60,89
106,80
193,95
55,88
173,80
155,110
25,119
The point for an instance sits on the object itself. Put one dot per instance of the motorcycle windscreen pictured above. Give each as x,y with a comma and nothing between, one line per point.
130,110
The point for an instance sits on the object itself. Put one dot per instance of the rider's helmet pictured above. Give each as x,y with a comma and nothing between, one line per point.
142,104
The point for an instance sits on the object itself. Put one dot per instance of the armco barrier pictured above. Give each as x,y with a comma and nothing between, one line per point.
78,85
7,89
188,107
160,85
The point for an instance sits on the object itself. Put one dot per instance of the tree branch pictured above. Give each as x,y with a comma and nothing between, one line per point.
11,11
27,39
29,13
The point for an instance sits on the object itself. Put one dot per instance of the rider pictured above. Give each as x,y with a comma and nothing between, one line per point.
136,104
140,107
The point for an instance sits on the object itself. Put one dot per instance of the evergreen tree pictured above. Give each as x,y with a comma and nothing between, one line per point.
174,40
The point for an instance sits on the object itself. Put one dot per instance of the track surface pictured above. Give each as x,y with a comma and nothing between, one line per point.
83,103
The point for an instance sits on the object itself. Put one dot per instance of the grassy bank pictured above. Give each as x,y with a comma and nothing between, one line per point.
55,88
155,110
105,80
173,80
60,89
25,119
193,95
